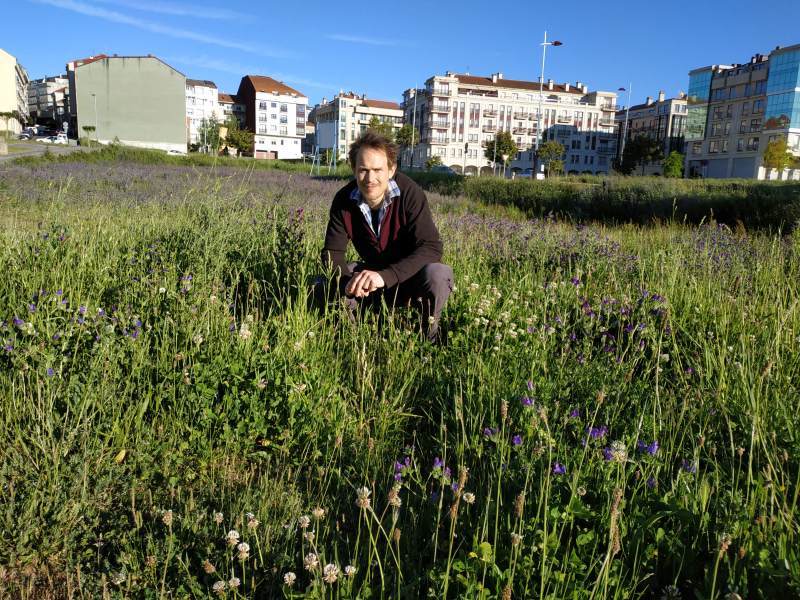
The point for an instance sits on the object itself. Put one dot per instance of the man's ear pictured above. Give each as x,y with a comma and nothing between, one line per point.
392,170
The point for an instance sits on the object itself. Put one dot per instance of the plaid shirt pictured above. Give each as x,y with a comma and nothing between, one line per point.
391,193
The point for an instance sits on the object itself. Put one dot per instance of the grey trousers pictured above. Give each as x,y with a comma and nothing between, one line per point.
427,292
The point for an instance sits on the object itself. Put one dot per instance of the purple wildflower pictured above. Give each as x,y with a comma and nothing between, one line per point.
530,385
8,348
651,448
18,322
575,281
438,463
446,472
597,432
59,292
516,440
31,308
489,431
50,372
688,466
526,401
651,483
607,453
575,413
454,486
82,310
559,469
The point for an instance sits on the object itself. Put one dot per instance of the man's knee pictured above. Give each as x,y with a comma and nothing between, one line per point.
438,278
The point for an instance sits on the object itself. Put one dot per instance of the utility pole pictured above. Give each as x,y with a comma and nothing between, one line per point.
625,125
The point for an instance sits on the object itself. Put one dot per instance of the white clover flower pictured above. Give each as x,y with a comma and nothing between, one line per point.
218,516
289,578
244,550
318,513
303,522
469,497
232,537
310,562
198,339
219,588
349,570
516,539
167,517
362,497
617,452
330,573
245,333
309,536
234,583
162,290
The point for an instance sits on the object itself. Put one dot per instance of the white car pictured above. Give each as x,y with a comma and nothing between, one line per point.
176,152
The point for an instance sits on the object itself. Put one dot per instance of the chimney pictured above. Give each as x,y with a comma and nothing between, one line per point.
363,96
566,87
324,100
585,89
661,95
496,77
579,85
549,84
649,100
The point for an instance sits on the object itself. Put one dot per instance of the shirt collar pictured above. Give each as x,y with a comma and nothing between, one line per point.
392,192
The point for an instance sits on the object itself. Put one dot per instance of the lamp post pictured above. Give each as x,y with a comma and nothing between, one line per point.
625,125
466,144
414,126
544,46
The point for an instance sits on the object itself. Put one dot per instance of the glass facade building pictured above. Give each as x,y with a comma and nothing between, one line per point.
697,103
783,90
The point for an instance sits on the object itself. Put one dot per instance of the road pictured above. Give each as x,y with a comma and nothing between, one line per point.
19,148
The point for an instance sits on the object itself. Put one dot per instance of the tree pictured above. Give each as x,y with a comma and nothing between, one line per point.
6,116
433,161
777,155
381,127
406,137
88,130
502,145
673,164
208,136
239,139
638,152
550,154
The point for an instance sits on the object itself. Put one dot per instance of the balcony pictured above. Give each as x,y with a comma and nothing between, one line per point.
523,116
521,131
436,124
439,91
489,113
606,123
437,140
489,128
445,108
608,107
563,119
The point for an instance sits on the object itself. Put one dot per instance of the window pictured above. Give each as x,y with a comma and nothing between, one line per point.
745,109
273,104
283,119
697,147
760,87
752,144
713,147
262,117
284,108
717,112
743,126
262,105
724,146
758,106
262,129
740,145
727,128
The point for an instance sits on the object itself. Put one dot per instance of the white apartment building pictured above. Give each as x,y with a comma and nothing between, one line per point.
339,122
662,119
48,100
458,115
202,103
276,114
13,92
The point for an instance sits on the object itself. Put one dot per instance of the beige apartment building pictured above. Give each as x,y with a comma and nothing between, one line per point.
736,110
662,119
13,92
458,115
339,122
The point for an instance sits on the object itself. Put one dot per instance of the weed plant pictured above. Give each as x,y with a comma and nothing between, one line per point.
614,414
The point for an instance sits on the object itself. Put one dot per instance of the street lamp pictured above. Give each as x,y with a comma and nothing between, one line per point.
466,144
625,126
544,46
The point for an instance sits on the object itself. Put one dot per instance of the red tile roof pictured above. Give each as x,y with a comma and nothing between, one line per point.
268,85
381,104
86,61
514,83
227,98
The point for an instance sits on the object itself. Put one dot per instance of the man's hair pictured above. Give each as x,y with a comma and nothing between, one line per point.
376,141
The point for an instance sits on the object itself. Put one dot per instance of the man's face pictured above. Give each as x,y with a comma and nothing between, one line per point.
373,174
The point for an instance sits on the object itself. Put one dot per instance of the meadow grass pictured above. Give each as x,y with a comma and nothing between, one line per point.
614,415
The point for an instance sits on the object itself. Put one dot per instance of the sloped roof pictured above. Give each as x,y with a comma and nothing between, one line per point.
515,83
201,83
267,85
381,104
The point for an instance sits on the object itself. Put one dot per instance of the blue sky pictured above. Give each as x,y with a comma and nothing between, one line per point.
383,48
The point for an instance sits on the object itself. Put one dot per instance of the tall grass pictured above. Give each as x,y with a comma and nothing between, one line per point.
615,413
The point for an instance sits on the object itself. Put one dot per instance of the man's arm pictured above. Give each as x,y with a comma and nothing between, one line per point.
336,240
425,236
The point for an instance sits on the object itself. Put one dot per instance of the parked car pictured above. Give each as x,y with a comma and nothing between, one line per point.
175,152
443,169
24,136
54,139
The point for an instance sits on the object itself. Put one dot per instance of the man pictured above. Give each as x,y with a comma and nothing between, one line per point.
386,216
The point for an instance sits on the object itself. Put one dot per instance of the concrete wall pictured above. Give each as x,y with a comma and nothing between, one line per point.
141,101
9,98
